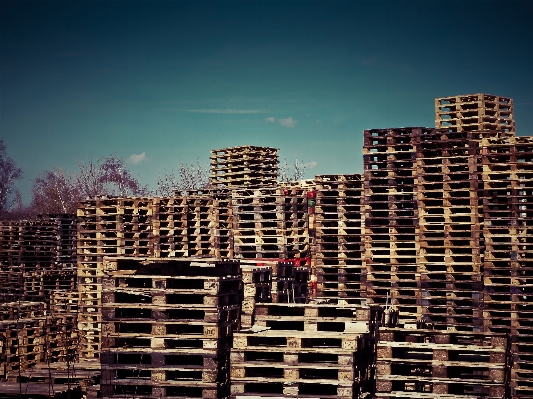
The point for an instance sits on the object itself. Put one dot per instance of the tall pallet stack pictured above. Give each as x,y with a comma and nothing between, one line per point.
270,223
338,256
170,230
236,167
200,226
258,226
450,232
107,226
296,222
168,327
310,350
197,225
223,226
508,268
391,218
138,227
99,233
430,363
473,112
11,270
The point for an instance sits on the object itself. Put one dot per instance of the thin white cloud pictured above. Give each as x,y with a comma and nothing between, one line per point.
270,119
287,122
221,111
311,165
137,158
368,61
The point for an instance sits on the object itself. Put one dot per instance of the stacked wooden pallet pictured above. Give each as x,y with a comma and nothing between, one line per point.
34,333
39,283
200,226
61,338
270,223
257,288
10,268
296,221
259,230
472,112
303,350
21,310
449,214
244,166
23,346
62,328
391,218
168,327
508,267
110,226
35,264
431,363
289,283
99,233
197,225
11,282
38,242
170,227
107,226
339,247
9,242
66,233
64,302
137,227
32,242
49,239
223,226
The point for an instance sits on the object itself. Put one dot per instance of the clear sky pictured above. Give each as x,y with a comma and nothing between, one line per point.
174,79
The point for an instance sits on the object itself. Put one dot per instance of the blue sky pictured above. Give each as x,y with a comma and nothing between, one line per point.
175,79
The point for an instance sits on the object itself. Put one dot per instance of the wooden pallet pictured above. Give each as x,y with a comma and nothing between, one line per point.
436,362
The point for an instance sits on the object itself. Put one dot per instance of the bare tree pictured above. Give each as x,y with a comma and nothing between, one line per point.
107,176
55,192
9,173
189,177
59,191
89,179
119,179
19,211
288,173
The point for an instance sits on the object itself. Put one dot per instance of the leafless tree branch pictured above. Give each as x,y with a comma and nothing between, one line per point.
9,173
59,191
293,172
55,192
189,177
